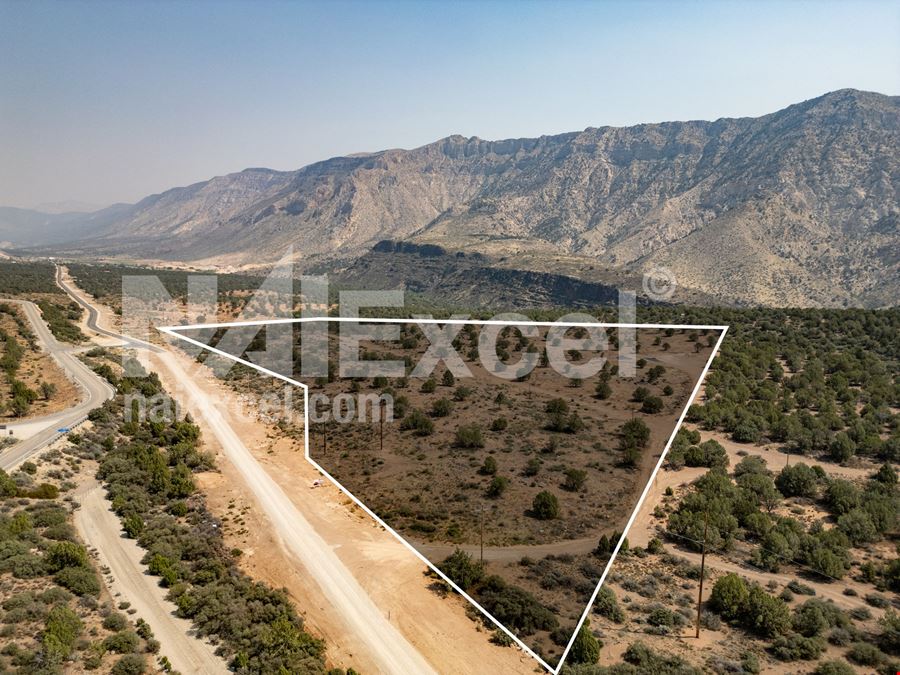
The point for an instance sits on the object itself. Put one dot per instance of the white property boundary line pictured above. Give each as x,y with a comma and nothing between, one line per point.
174,332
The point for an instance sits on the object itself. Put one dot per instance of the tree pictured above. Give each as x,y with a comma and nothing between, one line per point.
729,595
497,487
64,554
603,391
469,437
48,389
441,407
797,480
448,380
762,489
766,614
585,647
489,466
545,506
634,433
841,496
462,569
858,526
575,479
652,405
842,447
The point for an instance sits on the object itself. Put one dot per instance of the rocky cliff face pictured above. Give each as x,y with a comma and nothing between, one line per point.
797,207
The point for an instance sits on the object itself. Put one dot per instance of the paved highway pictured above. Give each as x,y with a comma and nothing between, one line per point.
94,316
96,391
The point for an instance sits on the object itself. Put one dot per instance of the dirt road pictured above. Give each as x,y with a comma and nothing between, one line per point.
388,647
344,541
100,529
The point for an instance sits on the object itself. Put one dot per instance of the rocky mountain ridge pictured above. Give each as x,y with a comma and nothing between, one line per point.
799,207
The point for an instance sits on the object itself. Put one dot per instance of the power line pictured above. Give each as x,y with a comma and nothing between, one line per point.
720,551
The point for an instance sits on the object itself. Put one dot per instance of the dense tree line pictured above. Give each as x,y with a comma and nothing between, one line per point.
740,508
27,278
61,319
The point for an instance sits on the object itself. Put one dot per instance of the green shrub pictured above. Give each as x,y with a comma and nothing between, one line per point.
865,654
64,554
607,605
417,422
469,437
795,647
575,479
585,647
545,506
515,607
489,466
80,580
834,668
462,569
62,628
442,407
797,480
729,596
115,622
130,664
497,487
123,642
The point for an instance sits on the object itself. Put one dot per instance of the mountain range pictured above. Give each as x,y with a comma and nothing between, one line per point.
799,207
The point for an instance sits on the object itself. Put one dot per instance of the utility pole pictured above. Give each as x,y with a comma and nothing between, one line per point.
481,538
324,438
702,569
381,426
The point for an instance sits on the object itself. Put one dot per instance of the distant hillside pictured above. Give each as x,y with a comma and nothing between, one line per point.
799,207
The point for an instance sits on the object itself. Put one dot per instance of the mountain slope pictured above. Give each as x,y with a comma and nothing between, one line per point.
800,206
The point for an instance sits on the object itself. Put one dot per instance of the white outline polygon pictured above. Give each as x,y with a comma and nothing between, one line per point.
174,332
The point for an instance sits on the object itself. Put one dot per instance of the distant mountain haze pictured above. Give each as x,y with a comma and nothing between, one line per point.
799,207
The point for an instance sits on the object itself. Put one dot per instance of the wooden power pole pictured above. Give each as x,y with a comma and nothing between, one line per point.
381,426
481,537
702,569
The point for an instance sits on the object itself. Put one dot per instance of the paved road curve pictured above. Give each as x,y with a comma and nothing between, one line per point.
96,391
94,316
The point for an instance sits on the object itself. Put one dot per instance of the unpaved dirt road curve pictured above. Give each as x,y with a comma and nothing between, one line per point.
387,646
99,528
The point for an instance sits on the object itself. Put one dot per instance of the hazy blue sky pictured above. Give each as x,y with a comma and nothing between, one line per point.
104,102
